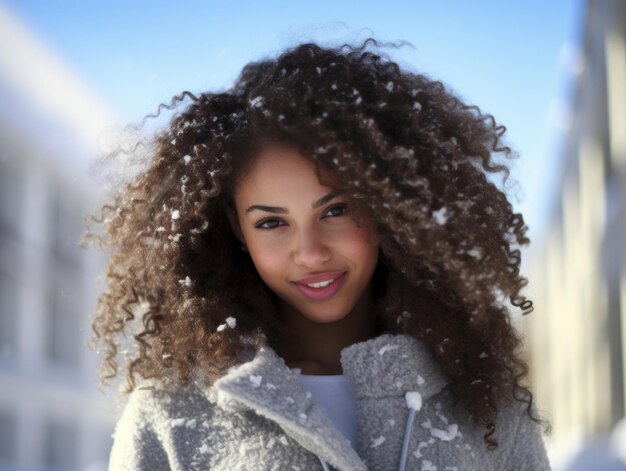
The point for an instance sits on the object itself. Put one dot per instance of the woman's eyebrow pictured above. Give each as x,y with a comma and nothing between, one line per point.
273,209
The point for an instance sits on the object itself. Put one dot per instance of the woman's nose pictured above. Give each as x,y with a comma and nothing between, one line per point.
311,249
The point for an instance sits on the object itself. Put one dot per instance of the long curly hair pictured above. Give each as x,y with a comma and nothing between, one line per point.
182,298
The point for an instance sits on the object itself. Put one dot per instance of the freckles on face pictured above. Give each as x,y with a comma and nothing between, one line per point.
295,228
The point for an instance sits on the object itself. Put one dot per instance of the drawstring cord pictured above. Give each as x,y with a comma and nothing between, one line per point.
405,443
324,465
414,403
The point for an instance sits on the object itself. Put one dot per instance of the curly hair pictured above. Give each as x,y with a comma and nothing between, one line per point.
403,148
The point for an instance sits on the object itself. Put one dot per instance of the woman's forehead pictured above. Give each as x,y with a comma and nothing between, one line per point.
277,167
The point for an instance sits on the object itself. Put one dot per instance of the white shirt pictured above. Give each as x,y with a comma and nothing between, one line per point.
335,396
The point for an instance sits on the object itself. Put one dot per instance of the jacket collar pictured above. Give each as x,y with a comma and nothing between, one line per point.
399,363
388,365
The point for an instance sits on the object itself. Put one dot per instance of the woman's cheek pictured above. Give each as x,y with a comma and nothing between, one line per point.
268,258
356,242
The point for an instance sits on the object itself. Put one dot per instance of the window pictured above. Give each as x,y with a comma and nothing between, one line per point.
60,445
65,230
64,343
8,438
64,340
10,200
9,313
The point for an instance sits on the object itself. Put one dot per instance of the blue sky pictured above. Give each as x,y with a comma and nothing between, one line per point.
507,57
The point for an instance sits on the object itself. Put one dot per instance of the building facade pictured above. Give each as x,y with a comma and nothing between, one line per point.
577,272
52,414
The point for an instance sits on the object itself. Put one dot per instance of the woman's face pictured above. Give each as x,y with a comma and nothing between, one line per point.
299,232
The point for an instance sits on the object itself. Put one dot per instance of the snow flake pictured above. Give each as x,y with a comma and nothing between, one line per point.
160,229
389,86
290,400
270,443
413,400
177,422
417,106
308,394
186,282
270,386
334,86
420,380
175,238
475,252
165,356
187,159
318,70
377,441
230,321
398,384
175,214
418,453
427,424
190,423
451,468
386,348
446,435
483,355
392,422
283,440
302,417
281,117
255,380
205,449
440,216
257,102
428,466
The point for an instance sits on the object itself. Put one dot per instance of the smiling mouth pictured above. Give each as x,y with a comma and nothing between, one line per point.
323,289
321,284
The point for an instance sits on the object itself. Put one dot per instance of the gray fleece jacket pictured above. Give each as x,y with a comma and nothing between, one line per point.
259,417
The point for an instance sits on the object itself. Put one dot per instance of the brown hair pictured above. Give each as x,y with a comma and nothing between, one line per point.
402,146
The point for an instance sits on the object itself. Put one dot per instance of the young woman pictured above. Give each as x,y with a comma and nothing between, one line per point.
311,271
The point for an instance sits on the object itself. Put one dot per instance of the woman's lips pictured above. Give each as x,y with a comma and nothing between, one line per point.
319,277
320,294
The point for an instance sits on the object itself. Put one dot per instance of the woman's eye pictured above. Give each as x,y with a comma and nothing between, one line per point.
338,210
267,224
334,211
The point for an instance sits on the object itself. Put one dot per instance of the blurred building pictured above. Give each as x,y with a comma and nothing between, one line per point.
577,333
52,416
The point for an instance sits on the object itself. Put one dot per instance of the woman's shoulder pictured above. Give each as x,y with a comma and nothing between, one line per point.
157,425
520,440
161,403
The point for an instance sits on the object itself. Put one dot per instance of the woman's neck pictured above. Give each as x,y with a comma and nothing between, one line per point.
316,347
